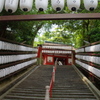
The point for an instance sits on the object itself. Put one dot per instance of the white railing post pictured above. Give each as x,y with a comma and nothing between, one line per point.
54,74
47,97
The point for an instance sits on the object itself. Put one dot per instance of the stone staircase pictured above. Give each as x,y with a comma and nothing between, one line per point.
69,86
33,87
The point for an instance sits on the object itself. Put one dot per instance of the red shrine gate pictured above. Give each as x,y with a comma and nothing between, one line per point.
49,52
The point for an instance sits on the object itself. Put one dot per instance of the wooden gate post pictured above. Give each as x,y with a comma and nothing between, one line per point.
73,57
39,54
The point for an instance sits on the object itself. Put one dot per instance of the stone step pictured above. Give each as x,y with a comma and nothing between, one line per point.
72,99
72,91
67,93
71,88
30,91
8,97
27,94
74,96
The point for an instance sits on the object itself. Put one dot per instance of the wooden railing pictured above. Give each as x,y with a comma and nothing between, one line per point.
15,57
88,58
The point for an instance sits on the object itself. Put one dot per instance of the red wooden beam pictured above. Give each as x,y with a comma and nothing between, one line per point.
80,16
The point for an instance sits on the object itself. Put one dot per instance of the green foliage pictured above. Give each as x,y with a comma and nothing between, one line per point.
94,35
70,32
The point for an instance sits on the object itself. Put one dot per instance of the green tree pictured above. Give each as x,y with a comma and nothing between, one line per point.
68,31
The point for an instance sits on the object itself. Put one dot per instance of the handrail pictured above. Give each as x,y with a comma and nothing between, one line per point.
52,81
49,88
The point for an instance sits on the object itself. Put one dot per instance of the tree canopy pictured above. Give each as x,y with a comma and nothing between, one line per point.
70,32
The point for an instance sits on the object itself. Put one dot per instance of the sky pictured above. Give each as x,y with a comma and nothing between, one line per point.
42,31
